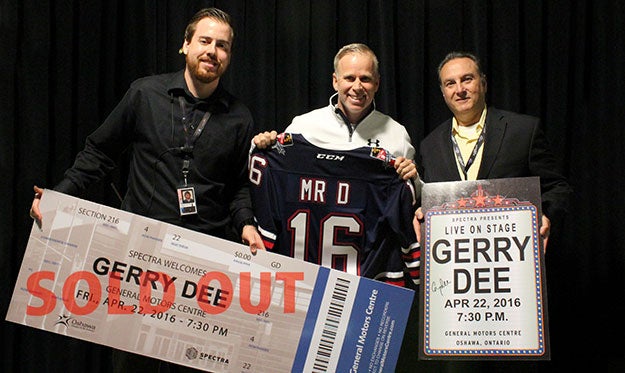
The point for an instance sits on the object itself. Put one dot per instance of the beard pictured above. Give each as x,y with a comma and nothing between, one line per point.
201,74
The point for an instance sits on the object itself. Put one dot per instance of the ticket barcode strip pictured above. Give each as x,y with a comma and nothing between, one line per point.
327,322
331,325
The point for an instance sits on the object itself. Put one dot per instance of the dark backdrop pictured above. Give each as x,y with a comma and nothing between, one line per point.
65,64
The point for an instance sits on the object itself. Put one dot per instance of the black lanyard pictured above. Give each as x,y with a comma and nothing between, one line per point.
464,168
190,135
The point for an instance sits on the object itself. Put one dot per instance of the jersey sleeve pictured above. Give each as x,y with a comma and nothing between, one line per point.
411,251
398,238
264,201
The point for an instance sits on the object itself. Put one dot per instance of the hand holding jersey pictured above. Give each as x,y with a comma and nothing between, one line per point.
405,167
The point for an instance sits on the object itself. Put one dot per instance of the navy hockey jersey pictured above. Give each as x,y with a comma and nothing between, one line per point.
346,210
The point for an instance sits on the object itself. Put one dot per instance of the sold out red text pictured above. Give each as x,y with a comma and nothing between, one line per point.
213,292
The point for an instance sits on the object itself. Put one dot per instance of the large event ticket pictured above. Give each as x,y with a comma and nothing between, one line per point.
136,284
483,290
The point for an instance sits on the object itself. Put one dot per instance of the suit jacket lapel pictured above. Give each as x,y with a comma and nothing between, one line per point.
495,128
448,162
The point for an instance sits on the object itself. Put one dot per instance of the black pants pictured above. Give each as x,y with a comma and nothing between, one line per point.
124,362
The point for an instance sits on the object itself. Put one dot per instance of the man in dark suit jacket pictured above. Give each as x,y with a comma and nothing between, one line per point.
482,142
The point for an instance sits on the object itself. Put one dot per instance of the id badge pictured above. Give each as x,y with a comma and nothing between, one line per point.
186,200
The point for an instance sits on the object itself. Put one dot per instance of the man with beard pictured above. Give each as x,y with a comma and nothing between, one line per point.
161,121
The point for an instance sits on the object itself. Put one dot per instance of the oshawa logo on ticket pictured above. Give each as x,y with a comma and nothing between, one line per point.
118,279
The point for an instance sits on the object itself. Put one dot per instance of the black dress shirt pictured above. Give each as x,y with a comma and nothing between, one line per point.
148,122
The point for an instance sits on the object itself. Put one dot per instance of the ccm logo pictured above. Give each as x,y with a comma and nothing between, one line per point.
330,157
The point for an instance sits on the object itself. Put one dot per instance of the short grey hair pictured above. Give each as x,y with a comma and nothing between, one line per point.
456,54
357,48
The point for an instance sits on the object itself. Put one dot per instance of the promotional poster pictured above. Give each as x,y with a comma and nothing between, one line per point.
483,292
118,279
